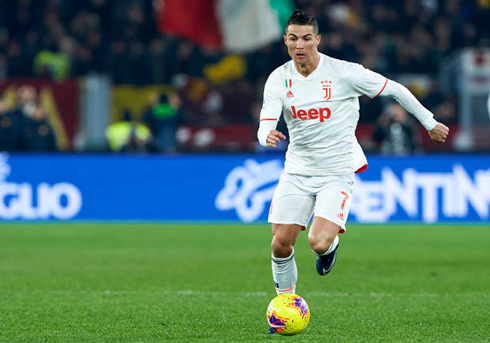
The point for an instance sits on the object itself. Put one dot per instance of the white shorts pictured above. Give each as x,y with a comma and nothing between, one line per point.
297,197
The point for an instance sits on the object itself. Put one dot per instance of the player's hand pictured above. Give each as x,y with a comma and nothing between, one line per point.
439,133
274,137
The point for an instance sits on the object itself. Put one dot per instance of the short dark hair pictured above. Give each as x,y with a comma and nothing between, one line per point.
299,17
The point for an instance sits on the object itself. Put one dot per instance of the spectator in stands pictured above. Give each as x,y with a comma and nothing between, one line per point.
139,140
120,38
128,136
11,123
38,135
395,132
51,62
163,118
26,100
414,34
446,111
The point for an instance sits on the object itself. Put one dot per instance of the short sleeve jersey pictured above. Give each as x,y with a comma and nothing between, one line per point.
321,112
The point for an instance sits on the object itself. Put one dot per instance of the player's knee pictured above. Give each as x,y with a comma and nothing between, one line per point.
280,247
320,244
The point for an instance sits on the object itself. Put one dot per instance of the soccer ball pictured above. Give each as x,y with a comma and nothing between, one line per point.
288,313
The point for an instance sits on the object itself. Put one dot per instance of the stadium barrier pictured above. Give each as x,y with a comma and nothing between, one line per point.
434,188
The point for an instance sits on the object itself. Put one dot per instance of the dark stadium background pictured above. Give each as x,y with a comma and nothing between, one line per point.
123,40
134,194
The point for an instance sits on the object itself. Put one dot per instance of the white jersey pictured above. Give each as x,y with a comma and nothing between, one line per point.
321,111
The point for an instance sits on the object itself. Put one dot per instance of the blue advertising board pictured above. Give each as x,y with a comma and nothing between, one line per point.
433,188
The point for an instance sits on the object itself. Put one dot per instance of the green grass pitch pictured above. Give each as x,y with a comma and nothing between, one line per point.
188,282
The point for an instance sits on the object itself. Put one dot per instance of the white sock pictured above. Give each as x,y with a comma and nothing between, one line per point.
332,247
285,274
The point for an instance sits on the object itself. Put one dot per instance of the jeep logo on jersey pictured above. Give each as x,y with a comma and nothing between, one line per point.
312,113
327,87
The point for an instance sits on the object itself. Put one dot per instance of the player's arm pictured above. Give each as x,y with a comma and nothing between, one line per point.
438,132
365,81
269,115
271,139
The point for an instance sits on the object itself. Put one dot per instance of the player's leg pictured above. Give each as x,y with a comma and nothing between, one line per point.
283,239
322,235
284,270
331,212
291,209
324,241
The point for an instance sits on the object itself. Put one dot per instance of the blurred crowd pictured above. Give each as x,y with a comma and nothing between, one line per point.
59,39
154,131
121,37
24,127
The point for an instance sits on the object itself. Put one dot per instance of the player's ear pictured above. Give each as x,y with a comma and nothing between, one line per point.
318,39
285,39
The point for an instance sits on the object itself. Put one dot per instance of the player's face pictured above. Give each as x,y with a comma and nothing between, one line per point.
302,43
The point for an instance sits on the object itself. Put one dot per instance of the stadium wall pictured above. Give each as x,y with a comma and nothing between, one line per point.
434,188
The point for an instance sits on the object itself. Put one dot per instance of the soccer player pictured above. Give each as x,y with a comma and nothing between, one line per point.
319,98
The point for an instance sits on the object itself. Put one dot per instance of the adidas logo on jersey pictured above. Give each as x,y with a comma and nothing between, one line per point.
312,113
289,94
340,216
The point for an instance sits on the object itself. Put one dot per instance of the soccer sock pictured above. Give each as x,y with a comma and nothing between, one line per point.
332,247
285,274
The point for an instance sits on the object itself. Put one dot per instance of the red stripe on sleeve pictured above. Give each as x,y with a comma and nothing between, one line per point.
363,168
267,119
382,89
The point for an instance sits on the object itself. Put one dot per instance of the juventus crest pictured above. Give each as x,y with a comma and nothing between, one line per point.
327,87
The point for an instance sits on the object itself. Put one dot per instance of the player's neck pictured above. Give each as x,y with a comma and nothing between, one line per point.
308,67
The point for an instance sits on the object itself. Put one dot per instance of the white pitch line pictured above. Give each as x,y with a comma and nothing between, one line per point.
189,292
